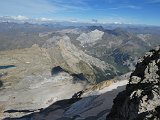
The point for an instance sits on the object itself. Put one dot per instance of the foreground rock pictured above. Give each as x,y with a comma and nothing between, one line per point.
141,99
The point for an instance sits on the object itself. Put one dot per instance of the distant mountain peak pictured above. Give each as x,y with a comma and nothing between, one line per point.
95,27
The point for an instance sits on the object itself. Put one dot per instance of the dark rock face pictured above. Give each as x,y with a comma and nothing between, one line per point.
57,70
1,83
141,99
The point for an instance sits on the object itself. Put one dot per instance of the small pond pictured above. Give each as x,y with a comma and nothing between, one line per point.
7,66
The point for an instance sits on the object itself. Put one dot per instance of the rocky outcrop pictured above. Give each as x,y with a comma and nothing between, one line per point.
141,99
90,37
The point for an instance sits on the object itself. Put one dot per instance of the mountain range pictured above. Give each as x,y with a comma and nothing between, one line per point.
42,64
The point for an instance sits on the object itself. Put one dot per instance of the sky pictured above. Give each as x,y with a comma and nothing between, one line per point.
101,11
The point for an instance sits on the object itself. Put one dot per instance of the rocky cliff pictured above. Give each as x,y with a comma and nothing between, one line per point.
141,99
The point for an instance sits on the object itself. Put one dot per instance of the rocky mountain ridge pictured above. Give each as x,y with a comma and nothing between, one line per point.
141,99
72,59
119,47
66,61
56,66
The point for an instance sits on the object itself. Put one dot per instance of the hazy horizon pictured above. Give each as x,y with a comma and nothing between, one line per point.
102,11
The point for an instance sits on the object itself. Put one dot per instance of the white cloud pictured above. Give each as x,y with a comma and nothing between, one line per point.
19,17
126,6
70,5
153,1
117,22
45,19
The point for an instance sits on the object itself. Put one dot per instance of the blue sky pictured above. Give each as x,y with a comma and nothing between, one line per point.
103,11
